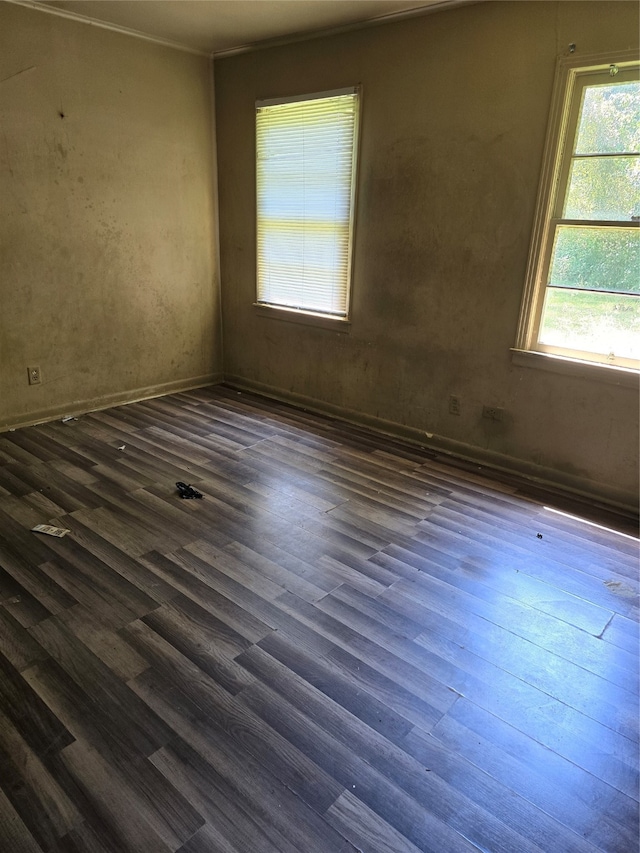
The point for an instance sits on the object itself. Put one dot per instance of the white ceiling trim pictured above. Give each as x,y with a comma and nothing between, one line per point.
278,41
106,25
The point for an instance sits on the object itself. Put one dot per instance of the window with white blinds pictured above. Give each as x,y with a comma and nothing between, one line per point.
305,170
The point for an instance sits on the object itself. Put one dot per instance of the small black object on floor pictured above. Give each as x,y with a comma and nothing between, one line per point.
187,491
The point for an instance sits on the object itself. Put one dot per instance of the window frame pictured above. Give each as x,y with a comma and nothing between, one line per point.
306,315
572,74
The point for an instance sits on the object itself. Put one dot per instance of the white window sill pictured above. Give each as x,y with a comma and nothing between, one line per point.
622,376
291,315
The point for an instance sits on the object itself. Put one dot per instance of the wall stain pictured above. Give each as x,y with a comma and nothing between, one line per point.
18,73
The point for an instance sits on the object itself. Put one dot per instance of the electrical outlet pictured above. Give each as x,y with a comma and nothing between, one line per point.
494,413
35,376
454,405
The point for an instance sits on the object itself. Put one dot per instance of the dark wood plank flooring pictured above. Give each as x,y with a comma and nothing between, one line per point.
348,645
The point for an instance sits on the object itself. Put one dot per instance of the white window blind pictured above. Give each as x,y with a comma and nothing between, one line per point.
305,188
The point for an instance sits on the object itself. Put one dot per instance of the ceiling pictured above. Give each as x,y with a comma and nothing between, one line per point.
215,26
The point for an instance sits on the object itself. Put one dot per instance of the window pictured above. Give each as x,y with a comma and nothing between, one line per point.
582,299
305,170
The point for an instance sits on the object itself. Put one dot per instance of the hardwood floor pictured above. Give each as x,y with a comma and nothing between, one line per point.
348,645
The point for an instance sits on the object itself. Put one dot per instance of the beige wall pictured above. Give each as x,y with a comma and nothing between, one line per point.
107,265
455,108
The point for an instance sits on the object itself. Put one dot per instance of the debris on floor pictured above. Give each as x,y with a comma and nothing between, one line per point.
122,447
538,535
68,418
620,588
50,530
187,491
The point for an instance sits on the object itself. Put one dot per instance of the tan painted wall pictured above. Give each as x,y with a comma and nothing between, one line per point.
107,263
455,108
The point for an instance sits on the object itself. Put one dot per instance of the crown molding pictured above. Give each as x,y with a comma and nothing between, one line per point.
388,18
105,25
263,44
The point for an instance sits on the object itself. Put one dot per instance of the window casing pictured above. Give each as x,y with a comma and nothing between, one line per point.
305,190
582,296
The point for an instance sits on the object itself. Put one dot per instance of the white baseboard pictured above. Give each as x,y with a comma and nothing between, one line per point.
602,493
